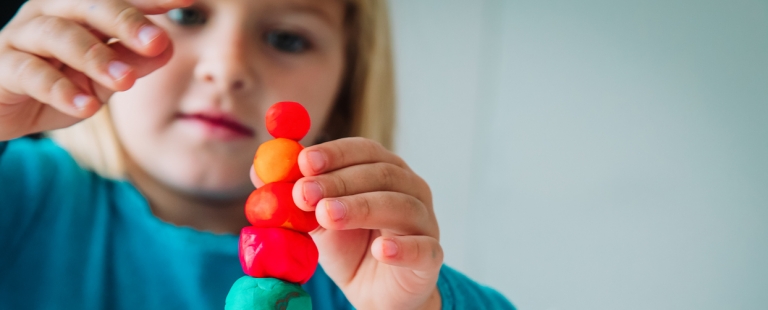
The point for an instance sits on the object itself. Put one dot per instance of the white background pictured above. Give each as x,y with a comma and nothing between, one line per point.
593,154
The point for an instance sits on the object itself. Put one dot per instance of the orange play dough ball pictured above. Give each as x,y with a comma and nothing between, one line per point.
277,161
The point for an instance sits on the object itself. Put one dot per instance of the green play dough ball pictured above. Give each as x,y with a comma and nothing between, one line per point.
249,293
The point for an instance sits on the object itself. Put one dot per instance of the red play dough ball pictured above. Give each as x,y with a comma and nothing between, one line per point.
278,253
278,161
300,220
272,206
288,120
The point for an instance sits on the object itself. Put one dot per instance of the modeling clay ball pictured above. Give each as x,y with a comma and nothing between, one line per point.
301,220
270,205
277,253
250,293
278,161
288,120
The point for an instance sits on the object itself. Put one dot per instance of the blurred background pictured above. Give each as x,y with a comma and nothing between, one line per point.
593,154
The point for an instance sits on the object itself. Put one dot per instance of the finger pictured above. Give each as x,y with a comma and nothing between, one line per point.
36,78
143,65
335,248
75,46
356,180
394,212
257,182
117,19
342,153
422,254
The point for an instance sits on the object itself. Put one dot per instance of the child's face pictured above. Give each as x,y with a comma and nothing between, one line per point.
195,124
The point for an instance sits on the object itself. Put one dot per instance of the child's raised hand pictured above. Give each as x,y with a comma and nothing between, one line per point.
56,66
378,238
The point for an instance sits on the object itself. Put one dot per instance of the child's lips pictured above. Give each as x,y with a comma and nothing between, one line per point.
220,125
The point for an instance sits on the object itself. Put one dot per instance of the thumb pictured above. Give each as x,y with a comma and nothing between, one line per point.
141,65
257,182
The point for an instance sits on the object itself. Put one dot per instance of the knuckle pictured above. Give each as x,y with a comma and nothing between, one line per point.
339,186
424,189
33,76
45,85
37,83
363,207
128,19
60,84
386,175
336,153
25,67
97,54
418,250
439,255
414,207
51,26
371,147
356,140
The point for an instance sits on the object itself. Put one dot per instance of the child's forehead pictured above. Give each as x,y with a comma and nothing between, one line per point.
329,10
309,6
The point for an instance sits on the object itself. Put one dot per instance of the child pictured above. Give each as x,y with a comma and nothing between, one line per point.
141,207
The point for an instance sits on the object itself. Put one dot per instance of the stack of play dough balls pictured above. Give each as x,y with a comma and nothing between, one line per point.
276,252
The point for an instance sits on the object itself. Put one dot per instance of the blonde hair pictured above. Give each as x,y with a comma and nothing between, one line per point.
365,106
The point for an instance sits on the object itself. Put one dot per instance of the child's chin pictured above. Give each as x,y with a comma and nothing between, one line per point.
215,188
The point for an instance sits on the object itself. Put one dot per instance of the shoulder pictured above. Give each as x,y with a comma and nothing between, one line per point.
41,156
460,292
33,170
41,185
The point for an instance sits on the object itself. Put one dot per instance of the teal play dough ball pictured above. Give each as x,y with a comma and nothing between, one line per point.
249,293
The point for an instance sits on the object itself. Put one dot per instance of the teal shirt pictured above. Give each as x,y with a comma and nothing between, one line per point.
71,239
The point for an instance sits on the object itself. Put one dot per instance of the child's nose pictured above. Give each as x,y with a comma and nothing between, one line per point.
226,64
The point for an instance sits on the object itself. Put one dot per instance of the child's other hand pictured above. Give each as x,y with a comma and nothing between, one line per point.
56,67
379,238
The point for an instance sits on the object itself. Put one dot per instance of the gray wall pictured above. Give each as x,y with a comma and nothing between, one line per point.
593,154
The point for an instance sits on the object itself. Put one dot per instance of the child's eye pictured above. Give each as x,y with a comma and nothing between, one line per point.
287,42
187,16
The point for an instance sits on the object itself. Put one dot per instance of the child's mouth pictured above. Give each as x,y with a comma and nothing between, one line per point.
220,125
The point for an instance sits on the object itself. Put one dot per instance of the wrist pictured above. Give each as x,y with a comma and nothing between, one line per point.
434,302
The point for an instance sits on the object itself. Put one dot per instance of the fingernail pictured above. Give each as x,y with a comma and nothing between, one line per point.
148,33
390,248
316,161
336,210
118,70
312,193
81,101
